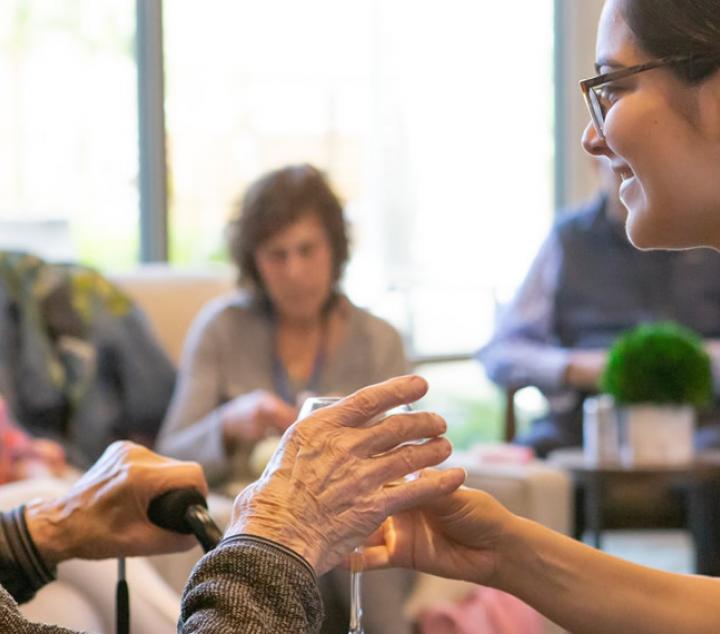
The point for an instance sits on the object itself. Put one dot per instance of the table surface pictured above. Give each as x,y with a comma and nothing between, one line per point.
573,460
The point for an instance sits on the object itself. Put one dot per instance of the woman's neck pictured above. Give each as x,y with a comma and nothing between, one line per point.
299,327
298,343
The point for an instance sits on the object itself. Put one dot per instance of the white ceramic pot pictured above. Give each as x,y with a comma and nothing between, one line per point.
657,434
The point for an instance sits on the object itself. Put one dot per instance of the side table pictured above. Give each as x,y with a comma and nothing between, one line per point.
595,479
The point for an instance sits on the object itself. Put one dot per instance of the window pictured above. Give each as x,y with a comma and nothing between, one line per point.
68,124
444,158
416,111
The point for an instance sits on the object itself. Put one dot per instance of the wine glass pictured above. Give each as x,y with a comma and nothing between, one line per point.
356,611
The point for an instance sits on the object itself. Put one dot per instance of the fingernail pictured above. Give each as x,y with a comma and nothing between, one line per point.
418,383
443,423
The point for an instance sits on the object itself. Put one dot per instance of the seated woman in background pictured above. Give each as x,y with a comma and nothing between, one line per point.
251,357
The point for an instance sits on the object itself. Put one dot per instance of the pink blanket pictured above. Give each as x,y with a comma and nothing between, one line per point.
484,611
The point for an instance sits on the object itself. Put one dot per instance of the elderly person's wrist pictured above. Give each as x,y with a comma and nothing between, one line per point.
282,531
23,569
46,523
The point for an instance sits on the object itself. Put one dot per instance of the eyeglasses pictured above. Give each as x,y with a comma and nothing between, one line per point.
596,89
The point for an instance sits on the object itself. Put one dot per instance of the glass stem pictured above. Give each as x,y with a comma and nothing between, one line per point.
356,626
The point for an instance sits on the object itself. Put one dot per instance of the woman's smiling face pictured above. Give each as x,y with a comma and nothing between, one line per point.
662,137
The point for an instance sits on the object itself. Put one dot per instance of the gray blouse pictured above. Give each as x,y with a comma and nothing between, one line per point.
229,352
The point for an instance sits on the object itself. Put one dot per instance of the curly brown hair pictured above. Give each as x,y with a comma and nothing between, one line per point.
275,201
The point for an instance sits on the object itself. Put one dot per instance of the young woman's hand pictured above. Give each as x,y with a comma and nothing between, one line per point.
458,536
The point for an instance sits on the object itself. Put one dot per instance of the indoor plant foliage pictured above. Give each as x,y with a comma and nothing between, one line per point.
660,363
658,374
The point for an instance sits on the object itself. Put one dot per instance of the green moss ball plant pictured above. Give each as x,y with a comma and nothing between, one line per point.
660,363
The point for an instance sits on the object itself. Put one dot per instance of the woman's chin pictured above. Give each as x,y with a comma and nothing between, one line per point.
644,235
649,236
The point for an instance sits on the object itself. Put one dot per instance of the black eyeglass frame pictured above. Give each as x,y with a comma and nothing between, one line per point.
597,113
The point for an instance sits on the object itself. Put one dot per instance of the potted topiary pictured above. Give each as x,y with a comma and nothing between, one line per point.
658,374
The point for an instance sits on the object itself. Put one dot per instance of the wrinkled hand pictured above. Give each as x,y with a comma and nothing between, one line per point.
323,491
255,415
104,514
457,536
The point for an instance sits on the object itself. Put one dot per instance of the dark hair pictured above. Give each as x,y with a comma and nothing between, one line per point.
678,27
275,201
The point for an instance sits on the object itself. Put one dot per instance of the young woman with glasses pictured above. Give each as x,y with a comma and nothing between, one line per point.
655,115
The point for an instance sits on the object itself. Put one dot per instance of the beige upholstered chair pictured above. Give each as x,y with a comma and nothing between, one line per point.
171,298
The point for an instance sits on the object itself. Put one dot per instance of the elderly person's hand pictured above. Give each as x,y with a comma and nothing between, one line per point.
324,491
255,415
460,536
104,514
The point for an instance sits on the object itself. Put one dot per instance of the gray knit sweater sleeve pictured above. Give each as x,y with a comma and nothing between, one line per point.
12,621
250,585
247,585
